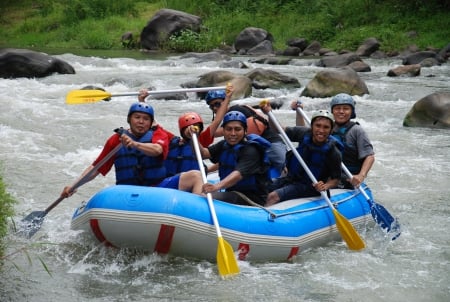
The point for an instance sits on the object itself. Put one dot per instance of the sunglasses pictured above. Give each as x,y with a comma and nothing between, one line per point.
215,105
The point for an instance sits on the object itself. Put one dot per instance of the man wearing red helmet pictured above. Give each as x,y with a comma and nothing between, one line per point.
181,156
140,161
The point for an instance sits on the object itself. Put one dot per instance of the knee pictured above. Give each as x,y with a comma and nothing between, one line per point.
192,175
272,198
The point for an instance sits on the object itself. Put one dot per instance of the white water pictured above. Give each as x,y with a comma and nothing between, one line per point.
45,145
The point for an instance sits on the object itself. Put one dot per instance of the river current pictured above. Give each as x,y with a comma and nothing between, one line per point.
46,144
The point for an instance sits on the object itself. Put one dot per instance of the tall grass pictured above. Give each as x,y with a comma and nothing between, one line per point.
6,211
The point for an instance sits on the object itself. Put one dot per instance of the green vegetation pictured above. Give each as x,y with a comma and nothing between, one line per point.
6,211
344,24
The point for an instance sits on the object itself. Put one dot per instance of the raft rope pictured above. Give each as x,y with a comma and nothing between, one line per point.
274,215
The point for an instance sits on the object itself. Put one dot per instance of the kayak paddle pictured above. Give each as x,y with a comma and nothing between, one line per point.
83,96
33,221
226,261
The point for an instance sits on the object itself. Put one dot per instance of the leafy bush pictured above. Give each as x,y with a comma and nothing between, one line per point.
341,24
79,10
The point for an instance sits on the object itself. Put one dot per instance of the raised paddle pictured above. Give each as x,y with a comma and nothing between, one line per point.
82,96
226,261
33,221
345,228
379,213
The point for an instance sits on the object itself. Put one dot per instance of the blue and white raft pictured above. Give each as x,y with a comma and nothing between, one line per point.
173,222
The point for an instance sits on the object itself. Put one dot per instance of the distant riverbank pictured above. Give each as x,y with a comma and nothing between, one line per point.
97,25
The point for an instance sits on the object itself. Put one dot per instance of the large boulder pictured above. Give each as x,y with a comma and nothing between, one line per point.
368,47
445,52
264,78
263,48
165,23
431,111
332,81
242,85
299,43
409,70
313,49
17,63
206,56
418,57
338,60
250,37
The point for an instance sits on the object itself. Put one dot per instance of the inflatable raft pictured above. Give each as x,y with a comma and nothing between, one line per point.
178,223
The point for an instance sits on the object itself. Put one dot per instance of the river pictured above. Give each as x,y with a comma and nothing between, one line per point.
46,144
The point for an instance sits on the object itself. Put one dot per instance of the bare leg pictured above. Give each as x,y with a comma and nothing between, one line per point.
191,181
272,198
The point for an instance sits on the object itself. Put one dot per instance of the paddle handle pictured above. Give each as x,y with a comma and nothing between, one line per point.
86,177
181,90
204,179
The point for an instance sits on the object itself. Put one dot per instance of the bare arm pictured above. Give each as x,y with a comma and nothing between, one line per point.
365,168
299,120
215,124
266,108
68,190
329,184
225,183
149,149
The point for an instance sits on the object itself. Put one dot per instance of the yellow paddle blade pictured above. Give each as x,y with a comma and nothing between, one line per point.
86,96
348,232
226,261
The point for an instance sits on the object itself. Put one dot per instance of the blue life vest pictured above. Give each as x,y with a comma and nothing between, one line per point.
228,162
133,167
349,152
181,158
314,156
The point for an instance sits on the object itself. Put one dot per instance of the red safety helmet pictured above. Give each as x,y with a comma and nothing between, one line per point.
188,119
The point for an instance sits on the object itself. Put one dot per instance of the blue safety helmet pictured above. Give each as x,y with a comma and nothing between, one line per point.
235,116
215,94
343,99
141,107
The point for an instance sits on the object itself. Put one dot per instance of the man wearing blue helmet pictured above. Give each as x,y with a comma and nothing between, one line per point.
140,161
358,154
243,163
257,123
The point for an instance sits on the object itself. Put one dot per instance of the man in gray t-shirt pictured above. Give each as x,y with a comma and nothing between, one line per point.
357,154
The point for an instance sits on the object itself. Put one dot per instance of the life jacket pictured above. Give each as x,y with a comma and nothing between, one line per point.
133,167
256,123
349,152
228,162
314,156
180,158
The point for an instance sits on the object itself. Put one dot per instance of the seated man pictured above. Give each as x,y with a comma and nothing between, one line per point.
181,157
243,163
320,154
257,123
140,161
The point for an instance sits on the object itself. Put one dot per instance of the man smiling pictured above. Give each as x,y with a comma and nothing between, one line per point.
319,153
243,163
